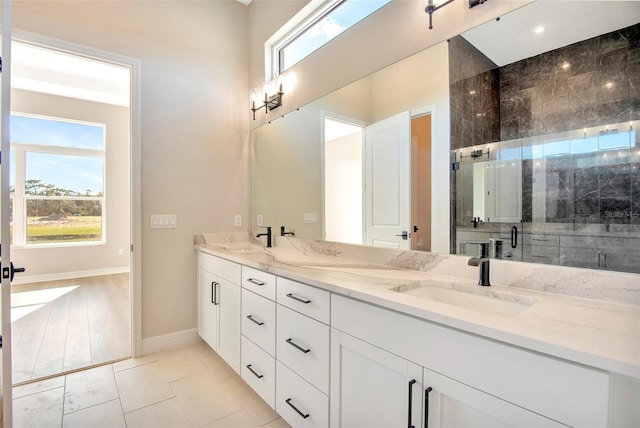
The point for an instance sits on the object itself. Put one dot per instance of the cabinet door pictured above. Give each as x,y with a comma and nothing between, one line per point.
229,318
371,387
208,286
454,404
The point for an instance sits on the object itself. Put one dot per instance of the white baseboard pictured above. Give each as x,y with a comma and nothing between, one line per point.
27,279
170,341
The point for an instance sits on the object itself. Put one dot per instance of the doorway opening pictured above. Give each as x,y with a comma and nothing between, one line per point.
421,182
343,185
71,215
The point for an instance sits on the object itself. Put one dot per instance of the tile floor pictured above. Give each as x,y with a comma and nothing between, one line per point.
186,387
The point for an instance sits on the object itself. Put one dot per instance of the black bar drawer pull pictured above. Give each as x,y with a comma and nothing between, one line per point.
299,299
409,424
298,347
426,406
304,416
214,293
255,281
254,320
259,376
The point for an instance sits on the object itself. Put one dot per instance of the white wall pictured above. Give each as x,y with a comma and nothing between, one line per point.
52,261
195,122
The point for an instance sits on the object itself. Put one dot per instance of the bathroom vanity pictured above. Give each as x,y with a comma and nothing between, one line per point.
328,340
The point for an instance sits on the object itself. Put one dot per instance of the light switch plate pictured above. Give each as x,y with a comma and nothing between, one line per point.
259,220
311,217
164,221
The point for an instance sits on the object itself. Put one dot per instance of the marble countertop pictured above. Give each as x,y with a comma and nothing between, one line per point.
595,333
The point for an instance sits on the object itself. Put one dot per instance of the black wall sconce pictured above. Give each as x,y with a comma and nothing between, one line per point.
270,102
433,5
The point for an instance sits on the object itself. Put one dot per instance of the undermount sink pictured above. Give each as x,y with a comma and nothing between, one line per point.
480,299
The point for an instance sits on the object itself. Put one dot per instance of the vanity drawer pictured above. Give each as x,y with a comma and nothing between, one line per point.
296,398
302,344
259,371
219,267
259,320
305,299
259,282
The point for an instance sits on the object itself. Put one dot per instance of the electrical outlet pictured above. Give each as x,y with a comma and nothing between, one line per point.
259,220
237,220
120,252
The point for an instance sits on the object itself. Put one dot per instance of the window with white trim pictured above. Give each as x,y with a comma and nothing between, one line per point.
320,25
57,185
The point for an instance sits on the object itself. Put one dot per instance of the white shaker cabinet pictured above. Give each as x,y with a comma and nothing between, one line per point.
219,306
208,308
448,403
371,387
259,333
514,386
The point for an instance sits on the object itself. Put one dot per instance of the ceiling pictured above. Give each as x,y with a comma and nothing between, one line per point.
38,69
512,38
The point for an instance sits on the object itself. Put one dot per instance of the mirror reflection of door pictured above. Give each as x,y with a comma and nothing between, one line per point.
387,202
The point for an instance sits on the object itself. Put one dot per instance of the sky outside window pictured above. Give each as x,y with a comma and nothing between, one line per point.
344,16
81,174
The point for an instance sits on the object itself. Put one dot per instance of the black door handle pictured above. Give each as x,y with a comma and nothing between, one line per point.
405,235
426,406
415,228
411,382
9,272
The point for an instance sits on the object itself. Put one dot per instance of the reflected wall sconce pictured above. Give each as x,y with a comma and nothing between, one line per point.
271,102
433,5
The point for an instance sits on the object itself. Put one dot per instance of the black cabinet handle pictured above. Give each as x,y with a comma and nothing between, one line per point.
259,376
255,281
304,416
299,299
298,347
214,293
514,237
409,424
426,406
254,320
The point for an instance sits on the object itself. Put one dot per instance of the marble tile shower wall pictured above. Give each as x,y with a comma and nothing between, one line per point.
590,83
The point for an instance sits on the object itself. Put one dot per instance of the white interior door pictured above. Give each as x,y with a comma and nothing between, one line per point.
387,209
5,306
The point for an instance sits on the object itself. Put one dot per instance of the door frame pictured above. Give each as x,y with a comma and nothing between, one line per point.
135,259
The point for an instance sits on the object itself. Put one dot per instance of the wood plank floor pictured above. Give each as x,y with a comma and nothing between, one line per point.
60,326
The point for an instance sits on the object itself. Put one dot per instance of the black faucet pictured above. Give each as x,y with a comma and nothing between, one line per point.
483,262
268,235
283,232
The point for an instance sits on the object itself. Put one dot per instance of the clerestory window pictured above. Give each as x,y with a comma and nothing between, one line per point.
314,27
